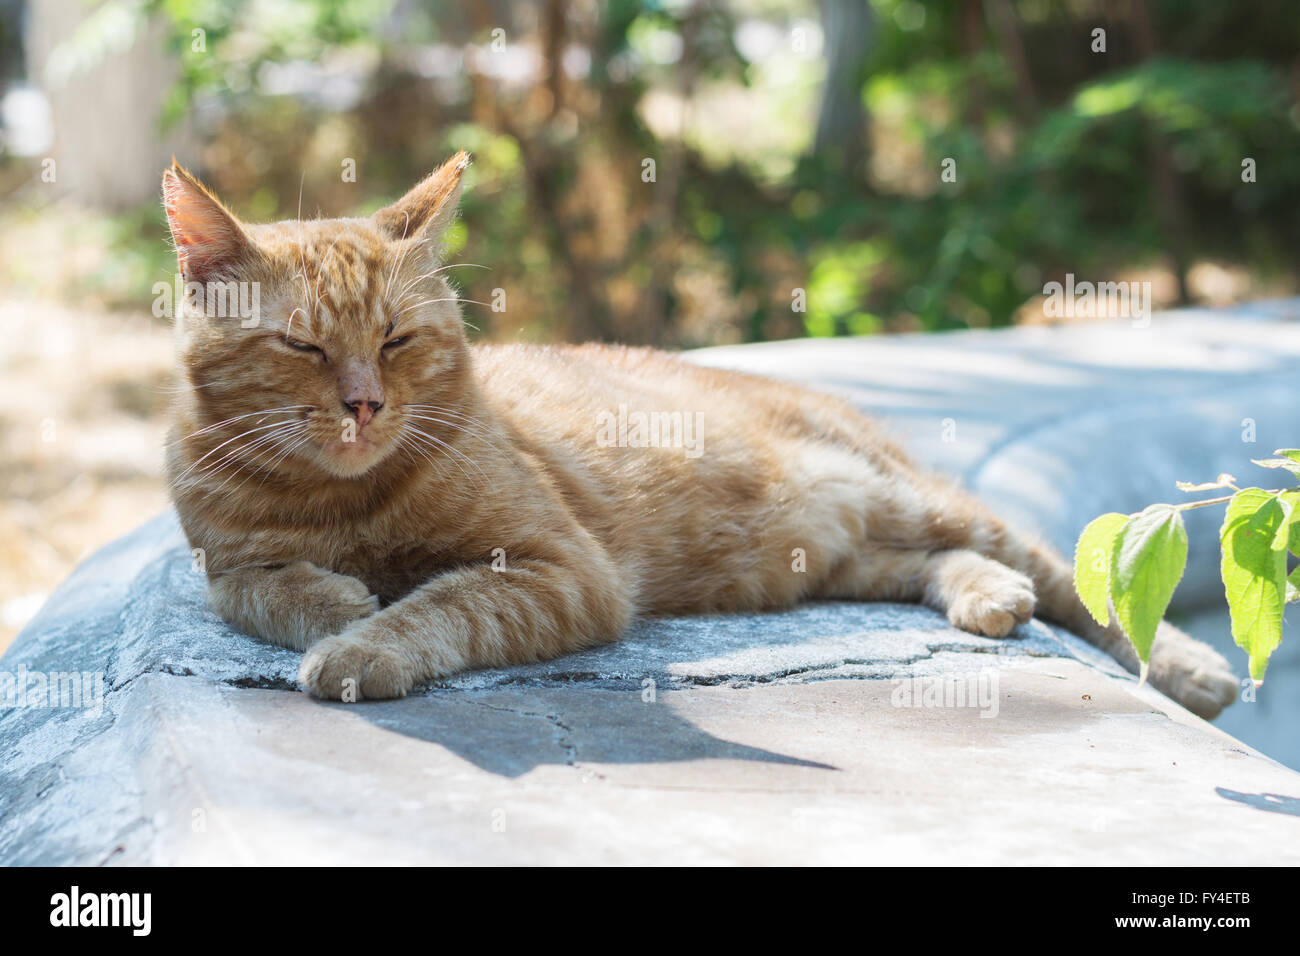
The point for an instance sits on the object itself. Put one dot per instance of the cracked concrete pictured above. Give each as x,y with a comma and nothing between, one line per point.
753,738
818,735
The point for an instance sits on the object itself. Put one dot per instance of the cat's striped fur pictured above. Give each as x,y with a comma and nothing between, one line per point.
474,518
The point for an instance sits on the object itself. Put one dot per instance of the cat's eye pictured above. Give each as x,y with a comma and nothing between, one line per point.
302,346
394,343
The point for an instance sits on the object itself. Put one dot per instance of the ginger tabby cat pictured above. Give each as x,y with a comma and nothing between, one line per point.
371,490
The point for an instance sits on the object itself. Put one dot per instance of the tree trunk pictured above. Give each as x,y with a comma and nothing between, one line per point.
841,138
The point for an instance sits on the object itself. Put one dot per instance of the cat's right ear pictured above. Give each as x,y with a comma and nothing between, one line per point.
210,242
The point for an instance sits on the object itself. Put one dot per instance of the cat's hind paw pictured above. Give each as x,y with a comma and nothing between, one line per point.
992,601
1191,672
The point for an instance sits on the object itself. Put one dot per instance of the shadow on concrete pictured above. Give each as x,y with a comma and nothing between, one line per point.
1272,802
511,731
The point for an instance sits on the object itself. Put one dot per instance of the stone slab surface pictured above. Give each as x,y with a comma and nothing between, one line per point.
1072,769
761,739
774,738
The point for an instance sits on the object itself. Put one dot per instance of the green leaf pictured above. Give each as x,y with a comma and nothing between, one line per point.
1092,564
1147,562
1254,573
1289,464
1282,536
1291,508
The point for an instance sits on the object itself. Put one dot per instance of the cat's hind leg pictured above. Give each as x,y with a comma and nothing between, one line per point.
1189,671
976,593
930,541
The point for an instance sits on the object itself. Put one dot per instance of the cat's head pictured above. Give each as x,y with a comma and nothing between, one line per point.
335,329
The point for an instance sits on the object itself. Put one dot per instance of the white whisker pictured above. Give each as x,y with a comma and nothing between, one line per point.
481,436
421,435
250,454
208,428
254,464
250,431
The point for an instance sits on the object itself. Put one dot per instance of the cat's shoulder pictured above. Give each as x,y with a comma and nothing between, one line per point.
622,356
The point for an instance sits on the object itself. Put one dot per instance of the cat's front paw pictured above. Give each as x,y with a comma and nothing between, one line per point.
293,606
350,667
330,602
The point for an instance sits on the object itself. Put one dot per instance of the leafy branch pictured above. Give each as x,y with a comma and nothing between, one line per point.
1133,563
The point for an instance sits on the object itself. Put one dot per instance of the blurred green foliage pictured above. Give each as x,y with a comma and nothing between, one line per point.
1066,159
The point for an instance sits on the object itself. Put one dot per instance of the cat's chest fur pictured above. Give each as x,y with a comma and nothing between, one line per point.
391,553
392,573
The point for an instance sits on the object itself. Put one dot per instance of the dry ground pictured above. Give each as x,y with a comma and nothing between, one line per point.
81,434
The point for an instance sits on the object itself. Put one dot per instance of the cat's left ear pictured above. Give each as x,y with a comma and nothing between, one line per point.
428,209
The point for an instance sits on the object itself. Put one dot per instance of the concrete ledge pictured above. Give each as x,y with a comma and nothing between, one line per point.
763,739
819,735
827,772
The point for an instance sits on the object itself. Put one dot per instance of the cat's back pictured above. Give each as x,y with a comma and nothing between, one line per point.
539,382
590,374
565,391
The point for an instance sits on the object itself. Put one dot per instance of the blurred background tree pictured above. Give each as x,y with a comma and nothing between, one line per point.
796,145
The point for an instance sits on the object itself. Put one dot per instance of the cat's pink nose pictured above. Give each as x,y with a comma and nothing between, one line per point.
364,410
360,391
